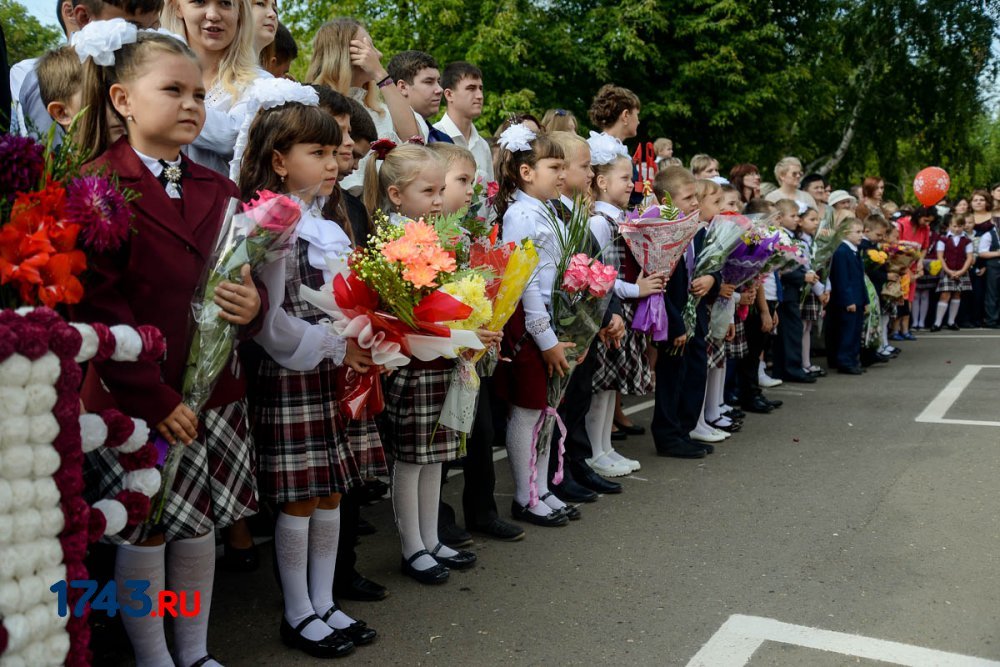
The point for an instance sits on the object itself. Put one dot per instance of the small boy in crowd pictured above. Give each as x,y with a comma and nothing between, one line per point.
848,303
60,77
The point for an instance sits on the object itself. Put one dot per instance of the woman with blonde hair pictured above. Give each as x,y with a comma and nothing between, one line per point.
788,171
222,34
345,59
559,120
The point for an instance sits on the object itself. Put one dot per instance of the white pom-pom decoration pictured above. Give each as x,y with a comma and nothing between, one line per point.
139,437
18,632
47,460
6,496
33,591
52,521
128,343
46,493
44,429
17,462
93,432
22,492
14,660
57,647
41,398
41,625
15,430
26,524
146,481
6,531
15,371
49,552
10,598
14,401
90,342
45,369
115,515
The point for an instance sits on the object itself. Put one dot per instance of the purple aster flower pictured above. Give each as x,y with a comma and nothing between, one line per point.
23,160
101,210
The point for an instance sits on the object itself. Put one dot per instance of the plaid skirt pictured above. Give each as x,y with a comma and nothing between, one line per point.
413,401
625,369
214,486
366,446
738,347
811,308
301,447
949,284
716,355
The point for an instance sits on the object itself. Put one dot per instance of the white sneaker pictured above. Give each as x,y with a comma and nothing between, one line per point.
632,464
607,468
711,436
725,434
766,381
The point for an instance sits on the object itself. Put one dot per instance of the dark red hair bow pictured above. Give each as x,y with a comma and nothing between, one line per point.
382,147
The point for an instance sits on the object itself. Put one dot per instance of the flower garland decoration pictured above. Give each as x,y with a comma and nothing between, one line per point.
45,523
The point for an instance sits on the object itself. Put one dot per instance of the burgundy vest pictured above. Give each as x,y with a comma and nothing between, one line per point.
954,255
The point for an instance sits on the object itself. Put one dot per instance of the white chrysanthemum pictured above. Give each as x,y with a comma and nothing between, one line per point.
47,460
90,342
16,462
128,343
41,398
139,437
6,535
100,39
13,401
14,430
43,429
33,591
15,371
45,369
93,432
46,493
115,516
517,137
26,524
22,493
6,497
51,521
146,481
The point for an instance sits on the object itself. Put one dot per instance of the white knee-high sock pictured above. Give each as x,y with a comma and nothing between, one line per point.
429,499
291,546
596,416
884,330
145,632
713,393
921,307
953,306
406,507
519,450
942,308
191,569
324,533
806,344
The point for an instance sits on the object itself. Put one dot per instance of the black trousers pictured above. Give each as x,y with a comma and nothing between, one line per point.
666,425
991,305
747,367
347,555
788,347
479,479
692,398
843,337
573,411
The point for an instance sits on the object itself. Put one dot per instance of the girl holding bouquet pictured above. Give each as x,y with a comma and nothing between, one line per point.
410,183
624,368
816,297
530,172
304,460
154,87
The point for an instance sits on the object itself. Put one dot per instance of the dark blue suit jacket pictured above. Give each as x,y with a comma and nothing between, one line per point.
847,279
676,295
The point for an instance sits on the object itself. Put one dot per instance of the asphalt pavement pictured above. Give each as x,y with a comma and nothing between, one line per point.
838,512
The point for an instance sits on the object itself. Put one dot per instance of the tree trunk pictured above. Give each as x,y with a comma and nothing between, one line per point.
845,143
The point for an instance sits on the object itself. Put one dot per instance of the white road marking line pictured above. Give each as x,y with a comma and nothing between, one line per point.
638,407
951,336
734,644
936,410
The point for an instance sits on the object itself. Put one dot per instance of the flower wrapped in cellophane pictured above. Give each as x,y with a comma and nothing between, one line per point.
900,258
871,336
832,230
746,261
657,238
725,233
256,235
392,299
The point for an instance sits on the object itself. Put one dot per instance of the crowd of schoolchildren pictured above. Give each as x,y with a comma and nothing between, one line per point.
165,115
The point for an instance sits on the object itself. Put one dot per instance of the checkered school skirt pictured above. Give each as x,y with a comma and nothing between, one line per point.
365,444
716,354
625,369
949,284
410,429
811,308
738,347
301,446
214,486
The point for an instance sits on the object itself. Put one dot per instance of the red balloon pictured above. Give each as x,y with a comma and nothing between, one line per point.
931,185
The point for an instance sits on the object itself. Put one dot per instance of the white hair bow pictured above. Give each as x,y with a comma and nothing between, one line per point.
100,39
517,138
605,149
266,94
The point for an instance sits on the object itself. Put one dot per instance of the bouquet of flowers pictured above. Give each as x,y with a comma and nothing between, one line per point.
871,336
752,253
724,235
254,236
50,218
900,257
657,238
394,299
828,238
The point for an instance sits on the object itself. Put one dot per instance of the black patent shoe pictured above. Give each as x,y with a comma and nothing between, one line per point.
358,631
631,429
334,645
360,589
571,512
462,560
438,574
239,560
550,520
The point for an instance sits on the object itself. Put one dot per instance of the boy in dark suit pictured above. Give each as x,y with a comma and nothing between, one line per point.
788,346
848,304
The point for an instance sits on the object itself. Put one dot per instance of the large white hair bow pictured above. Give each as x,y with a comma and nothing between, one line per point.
605,149
517,137
267,94
100,39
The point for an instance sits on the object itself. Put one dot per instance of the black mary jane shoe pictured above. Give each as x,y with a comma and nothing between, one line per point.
631,429
239,560
618,434
550,520
437,574
462,560
734,414
732,427
334,645
358,631
572,513
200,662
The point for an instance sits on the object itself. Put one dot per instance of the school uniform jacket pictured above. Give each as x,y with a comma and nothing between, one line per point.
847,279
152,280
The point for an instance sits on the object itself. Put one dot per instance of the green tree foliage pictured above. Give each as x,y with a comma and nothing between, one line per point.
851,86
26,36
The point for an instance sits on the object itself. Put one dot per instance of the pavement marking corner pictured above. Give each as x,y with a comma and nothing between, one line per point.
936,410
